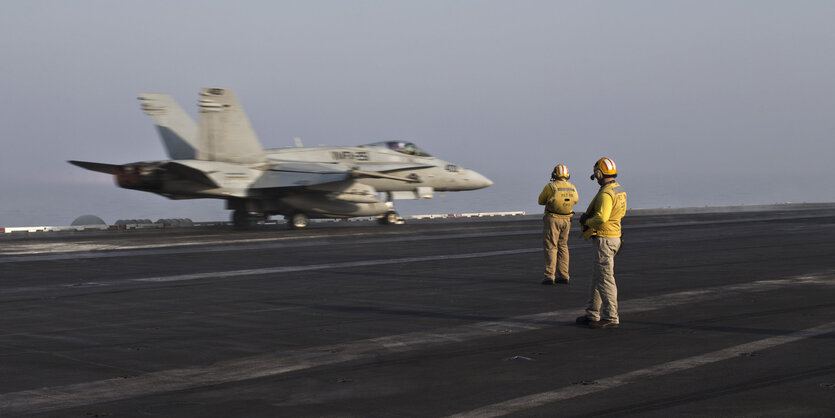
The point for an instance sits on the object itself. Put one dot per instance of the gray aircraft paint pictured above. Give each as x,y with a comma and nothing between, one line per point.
221,157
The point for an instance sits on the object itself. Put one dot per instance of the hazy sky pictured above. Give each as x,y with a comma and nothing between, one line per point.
698,102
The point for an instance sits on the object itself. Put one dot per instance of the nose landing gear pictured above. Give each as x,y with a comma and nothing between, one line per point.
298,221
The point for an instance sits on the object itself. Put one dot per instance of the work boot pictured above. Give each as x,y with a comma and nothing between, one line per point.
561,281
548,281
603,324
583,320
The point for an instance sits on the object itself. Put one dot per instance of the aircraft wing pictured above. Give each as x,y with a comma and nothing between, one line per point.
241,176
180,169
300,174
381,167
279,175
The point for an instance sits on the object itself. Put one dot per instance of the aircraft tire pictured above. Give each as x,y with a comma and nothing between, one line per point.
241,219
389,218
298,221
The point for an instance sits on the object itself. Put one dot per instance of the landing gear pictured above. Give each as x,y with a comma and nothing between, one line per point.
243,219
390,218
298,221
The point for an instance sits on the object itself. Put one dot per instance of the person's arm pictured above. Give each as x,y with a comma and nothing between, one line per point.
602,211
545,195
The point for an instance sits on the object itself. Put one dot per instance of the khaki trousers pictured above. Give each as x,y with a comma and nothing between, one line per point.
555,243
603,295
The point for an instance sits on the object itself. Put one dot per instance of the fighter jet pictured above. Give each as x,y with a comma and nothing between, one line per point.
222,158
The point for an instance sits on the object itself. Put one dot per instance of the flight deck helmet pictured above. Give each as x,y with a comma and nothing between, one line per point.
604,167
560,172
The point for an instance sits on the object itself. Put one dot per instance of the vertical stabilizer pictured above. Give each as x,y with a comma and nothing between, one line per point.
224,133
177,130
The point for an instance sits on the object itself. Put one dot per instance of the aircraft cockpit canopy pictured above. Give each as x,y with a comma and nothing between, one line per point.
407,148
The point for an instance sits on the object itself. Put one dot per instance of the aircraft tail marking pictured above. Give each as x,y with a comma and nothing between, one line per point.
224,132
176,128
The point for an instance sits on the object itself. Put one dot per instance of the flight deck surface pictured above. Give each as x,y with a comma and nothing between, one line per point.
722,314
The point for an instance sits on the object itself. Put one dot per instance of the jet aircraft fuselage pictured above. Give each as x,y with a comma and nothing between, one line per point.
222,159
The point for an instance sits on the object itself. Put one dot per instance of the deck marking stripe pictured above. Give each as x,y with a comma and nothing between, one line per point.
272,364
540,399
64,251
347,264
17,291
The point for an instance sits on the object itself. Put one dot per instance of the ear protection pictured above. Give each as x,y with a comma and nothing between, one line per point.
603,168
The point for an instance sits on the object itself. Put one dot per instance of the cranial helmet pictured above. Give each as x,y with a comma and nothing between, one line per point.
604,167
560,172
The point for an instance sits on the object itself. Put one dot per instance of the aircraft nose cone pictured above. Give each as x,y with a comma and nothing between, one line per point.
478,181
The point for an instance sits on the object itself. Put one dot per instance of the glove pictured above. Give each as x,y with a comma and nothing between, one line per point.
583,218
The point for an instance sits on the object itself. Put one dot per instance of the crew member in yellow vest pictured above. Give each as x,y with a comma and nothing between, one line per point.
559,197
601,224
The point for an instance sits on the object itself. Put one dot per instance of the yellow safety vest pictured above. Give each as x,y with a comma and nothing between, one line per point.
604,214
559,199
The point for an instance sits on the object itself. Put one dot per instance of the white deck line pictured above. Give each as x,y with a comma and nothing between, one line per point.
567,392
272,364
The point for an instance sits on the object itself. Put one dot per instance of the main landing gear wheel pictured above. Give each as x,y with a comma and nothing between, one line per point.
241,219
298,221
389,218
